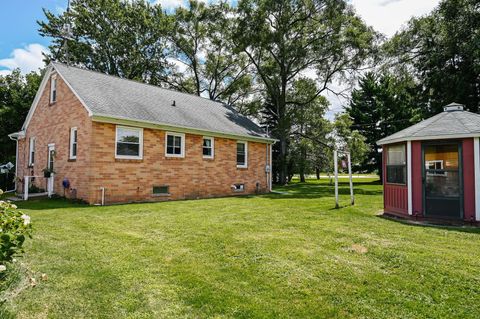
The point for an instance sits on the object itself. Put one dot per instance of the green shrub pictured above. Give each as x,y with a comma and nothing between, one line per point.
14,228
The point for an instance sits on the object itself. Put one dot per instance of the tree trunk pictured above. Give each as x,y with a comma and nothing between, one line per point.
303,160
317,171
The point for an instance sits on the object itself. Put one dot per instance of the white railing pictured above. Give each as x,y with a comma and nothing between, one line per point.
50,184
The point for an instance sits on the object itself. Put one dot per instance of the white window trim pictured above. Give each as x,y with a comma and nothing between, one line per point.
53,79
139,129
72,130
212,142
31,147
182,145
246,154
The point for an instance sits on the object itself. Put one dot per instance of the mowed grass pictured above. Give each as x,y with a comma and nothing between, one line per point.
277,255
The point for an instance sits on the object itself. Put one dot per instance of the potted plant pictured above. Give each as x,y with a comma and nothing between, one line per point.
47,172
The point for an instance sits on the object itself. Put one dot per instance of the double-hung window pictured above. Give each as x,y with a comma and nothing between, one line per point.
208,147
129,143
73,143
174,144
53,89
396,164
31,156
242,154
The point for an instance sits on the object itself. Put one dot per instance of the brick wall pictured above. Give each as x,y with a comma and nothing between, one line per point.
130,180
189,177
50,124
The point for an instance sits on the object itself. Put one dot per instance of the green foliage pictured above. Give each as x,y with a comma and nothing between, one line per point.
201,41
17,92
442,51
121,38
14,228
349,140
382,105
284,38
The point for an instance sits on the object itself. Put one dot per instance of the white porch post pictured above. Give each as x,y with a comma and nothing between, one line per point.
25,187
476,165
409,177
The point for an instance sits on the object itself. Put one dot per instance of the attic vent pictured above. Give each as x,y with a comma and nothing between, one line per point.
453,107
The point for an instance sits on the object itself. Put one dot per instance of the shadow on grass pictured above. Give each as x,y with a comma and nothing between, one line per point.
50,203
429,224
315,190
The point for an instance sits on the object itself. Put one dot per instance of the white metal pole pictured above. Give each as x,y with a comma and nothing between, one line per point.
352,198
335,165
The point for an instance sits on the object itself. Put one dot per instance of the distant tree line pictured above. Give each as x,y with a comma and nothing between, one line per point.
274,60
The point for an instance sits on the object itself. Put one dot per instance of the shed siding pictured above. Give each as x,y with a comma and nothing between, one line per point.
417,187
468,180
395,196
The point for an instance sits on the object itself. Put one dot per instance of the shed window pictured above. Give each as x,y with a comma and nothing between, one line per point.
129,143
161,190
396,164
73,143
242,154
208,147
174,144
53,89
31,157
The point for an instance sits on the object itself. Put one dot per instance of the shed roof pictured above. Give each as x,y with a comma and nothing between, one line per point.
113,97
453,122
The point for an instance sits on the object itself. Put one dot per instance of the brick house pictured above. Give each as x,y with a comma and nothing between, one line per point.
112,140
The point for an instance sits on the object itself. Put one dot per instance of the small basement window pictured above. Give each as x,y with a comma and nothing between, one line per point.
396,164
161,190
238,187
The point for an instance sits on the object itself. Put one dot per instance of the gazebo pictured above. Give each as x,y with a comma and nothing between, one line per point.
431,170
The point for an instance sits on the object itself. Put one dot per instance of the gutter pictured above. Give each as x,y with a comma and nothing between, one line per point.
102,118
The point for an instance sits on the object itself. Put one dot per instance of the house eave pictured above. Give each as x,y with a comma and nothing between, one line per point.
427,138
103,118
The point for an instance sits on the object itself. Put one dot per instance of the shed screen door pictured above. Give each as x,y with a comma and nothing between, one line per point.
442,181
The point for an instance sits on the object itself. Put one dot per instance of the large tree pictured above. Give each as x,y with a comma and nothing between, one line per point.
382,105
17,92
201,44
285,38
442,50
121,38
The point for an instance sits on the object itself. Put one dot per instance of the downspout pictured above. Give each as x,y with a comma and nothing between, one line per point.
16,163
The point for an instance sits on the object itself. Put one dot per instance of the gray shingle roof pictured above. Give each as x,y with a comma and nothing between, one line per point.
114,97
452,123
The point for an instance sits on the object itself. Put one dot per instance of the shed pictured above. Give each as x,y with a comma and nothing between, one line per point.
431,170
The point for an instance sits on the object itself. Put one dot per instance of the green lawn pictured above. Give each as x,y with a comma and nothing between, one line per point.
278,255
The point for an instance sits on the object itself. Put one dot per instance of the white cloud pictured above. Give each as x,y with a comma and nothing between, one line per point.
388,16
27,59
171,4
